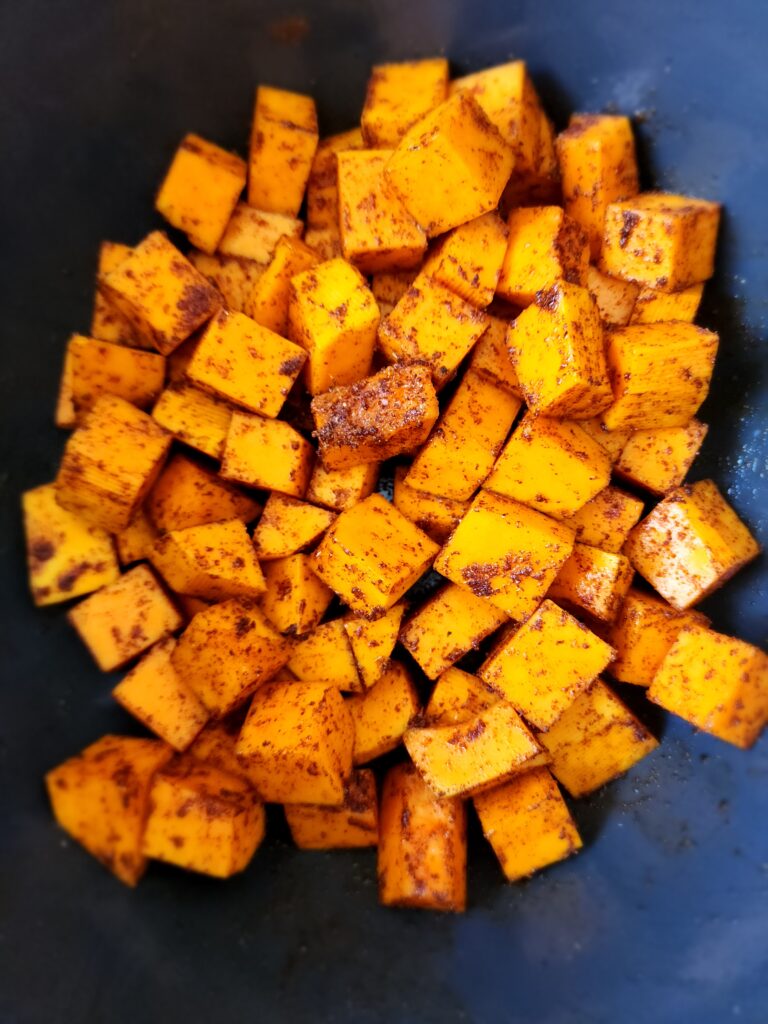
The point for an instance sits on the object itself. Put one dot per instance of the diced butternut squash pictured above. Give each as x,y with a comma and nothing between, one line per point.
615,298
388,288
351,825
593,580
134,542
468,260
659,460
340,489
606,521
399,95
326,242
283,143
235,277
612,441
101,799
194,417
322,189
378,417
296,598
545,245
187,494
215,745
267,453
268,302
326,656
490,356
457,697
287,526
690,544
66,556
435,515
371,555
253,234
200,190
296,744
373,643
107,322
382,714
214,561
654,306
422,845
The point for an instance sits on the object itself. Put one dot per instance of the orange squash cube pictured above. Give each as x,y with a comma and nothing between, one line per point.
326,242
659,460
326,656
382,714
253,234
373,643
136,539
234,277
107,322
612,441
490,356
545,245
214,561
352,825
194,417
468,260
187,494
388,288
606,521
268,454
457,697
287,526
615,299
595,581
283,143
654,306
268,302
340,489
215,745
435,515
399,95
322,187
296,598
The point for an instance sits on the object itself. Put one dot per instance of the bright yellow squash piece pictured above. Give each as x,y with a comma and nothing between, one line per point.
593,580
214,561
373,643
352,825
268,454
296,598
438,517
340,489
187,494
382,715
326,656
288,525
194,417
283,143
468,260
659,460
398,95
457,697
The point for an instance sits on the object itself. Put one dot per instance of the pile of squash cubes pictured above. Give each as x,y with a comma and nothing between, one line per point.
502,313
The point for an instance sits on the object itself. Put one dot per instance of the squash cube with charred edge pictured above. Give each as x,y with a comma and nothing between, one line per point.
595,740
194,417
110,463
715,682
352,825
468,260
660,374
268,301
296,598
373,643
288,525
545,664
242,362
187,494
214,561
377,232
215,745
66,557
545,245
436,516
388,288
268,454
476,754
371,555
644,630
388,414
160,293
457,697
596,154
233,277
107,322
606,521
469,436
551,465
556,345
136,539
226,652
296,744
93,368
422,858
154,693
659,459
322,187
652,306
690,544
125,618
203,819
340,489
326,656
447,626
101,796
200,190
593,580
283,143
660,241
382,714
490,356
451,166
431,325
506,553
399,95
615,299
527,823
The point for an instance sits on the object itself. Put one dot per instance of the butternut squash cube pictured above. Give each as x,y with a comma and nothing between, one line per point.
433,326
506,553
556,345
661,241
352,825
615,299
107,322
234,277
715,682
469,436
595,740
435,515
296,744
457,697
287,526
326,656
422,845
377,232
447,626
451,166
690,544
382,714
612,441
490,356
333,315
283,143
253,234
378,417
606,521
200,190
476,754
296,599
268,454
66,556
160,293
545,245
154,694
371,555
643,632
322,187
659,460
124,618
110,463
136,539
596,155
187,494
101,798
552,465
214,561
326,242
593,580
340,489
268,302
373,643
660,374
398,95
468,260
226,652
527,823
194,417
215,745
654,306
203,819
388,288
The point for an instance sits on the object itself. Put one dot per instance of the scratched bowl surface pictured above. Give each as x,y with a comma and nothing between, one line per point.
664,916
